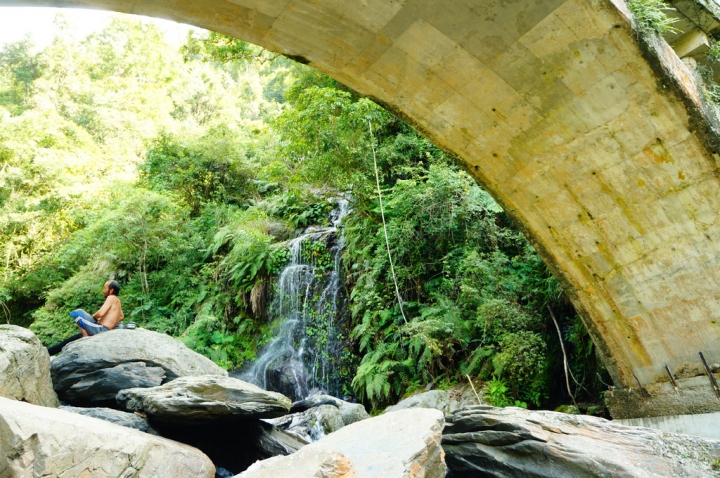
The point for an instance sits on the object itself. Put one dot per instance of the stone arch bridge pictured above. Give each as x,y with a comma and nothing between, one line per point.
595,138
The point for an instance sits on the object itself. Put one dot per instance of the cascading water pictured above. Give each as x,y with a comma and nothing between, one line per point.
310,301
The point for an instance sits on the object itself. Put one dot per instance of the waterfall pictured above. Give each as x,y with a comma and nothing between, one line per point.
309,300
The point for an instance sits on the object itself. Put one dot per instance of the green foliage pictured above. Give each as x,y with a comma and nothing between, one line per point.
710,89
216,47
127,240
301,210
227,349
19,68
278,259
317,254
464,292
569,409
474,291
248,254
496,394
706,70
586,366
650,16
180,175
210,169
713,55
94,184
522,359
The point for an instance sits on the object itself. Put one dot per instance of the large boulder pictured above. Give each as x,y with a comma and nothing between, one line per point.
125,419
513,442
25,367
92,370
461,396
437,399
405,444
41,441
204,399
352,412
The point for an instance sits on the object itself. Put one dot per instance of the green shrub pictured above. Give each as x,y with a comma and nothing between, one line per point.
650,16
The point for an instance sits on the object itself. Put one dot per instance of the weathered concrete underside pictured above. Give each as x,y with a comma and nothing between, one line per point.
704,425
595,141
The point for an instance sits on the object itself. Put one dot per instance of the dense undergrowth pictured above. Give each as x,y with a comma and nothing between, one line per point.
181,174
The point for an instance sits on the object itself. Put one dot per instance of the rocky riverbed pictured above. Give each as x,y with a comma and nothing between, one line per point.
160,410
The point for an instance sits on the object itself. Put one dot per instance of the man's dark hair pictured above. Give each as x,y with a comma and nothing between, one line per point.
114,287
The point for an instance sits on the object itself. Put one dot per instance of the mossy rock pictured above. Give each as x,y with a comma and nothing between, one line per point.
569,409
596,411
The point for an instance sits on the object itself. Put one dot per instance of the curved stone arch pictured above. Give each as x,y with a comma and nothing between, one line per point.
596,143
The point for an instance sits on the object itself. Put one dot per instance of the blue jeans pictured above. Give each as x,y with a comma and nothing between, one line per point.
86,322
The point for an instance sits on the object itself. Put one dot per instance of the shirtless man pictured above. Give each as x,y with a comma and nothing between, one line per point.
109,315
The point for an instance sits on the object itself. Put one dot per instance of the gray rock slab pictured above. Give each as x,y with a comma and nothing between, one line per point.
437,399
25,367
513,442
404,444
102,385
94,369
446,401
204,399
125,419
48,442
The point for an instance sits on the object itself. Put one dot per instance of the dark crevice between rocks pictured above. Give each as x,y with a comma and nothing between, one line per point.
232,446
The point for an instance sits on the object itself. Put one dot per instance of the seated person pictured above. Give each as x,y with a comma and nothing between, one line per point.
109,315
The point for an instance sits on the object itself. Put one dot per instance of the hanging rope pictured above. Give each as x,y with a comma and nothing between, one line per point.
568,372
382,215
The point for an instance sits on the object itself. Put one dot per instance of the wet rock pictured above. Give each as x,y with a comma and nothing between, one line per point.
513,442
42,441
25,367
204,399
350,412
92,370
316,401
223,473
125,419
287,376
404,444
312,424
272,441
